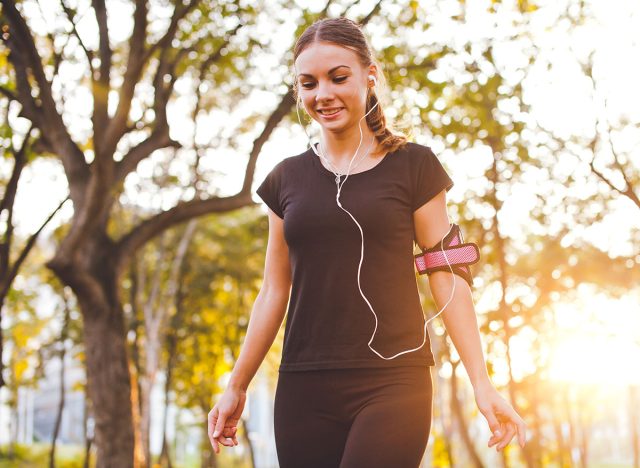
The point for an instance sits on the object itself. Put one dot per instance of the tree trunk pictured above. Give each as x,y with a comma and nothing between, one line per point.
635,423
165,454
108,377
156,310
64,333
245,436
56,429
88,431
584,441
91,274
570,420
441,354
456,409
504,308
146,385
208,458
563,454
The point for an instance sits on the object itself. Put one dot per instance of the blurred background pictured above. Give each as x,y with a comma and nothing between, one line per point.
132,244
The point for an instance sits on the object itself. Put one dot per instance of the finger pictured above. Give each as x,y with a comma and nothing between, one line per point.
226,441
519,424
211,420
522,432
211,417
228,432
511,419
503,431
498,435
222,417
494,439
509,433
493,422
231,433
228,436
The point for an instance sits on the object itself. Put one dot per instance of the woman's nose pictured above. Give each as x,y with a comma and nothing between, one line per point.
325,91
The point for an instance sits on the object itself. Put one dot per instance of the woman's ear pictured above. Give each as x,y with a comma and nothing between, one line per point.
373,70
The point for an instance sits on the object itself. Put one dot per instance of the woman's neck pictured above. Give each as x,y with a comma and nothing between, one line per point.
341,147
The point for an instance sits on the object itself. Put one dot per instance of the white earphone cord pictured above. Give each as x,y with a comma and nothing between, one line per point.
339,186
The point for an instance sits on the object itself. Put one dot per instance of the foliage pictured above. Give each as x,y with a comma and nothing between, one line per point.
221,280
37,455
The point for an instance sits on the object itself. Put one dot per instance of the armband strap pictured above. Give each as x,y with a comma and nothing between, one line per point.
459,254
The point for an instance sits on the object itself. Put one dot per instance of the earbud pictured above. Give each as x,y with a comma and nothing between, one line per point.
373,78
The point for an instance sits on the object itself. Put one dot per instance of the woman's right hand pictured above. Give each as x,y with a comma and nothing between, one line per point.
223,418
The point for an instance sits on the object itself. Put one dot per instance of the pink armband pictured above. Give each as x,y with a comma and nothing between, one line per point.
459,254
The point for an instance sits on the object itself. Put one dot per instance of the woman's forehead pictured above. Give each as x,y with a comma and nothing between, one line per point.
323,58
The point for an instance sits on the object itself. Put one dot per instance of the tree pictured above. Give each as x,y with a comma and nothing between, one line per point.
222,289
90,260
11,257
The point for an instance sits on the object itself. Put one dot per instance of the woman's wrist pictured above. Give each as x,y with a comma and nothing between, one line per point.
237,384
481,382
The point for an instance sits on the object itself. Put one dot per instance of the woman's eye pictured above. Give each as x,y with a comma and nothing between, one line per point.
338,79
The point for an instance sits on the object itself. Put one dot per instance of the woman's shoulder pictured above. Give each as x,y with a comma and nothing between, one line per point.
416,149
292,162
416,153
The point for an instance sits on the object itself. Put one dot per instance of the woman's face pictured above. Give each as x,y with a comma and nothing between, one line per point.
331,78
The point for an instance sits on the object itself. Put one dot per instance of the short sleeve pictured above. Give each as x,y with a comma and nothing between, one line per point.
270,189
430,178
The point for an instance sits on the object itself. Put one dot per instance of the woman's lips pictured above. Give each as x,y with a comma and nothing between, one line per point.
332,116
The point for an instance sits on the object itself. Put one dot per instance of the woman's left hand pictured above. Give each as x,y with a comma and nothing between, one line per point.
503,420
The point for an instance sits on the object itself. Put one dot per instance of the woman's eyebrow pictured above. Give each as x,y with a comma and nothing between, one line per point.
329,73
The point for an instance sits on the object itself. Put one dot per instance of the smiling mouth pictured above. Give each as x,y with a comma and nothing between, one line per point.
330,112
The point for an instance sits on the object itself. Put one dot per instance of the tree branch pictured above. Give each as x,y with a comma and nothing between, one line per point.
180,213
165,41
374,11
8,201
628,191
135,65
160,136
101,85
8,94
88,53
184,211
282,110
25,251
621,167
43,113
157,140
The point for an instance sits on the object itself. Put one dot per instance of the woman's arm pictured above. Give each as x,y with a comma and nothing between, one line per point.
265,320
269,307
431,223
459,318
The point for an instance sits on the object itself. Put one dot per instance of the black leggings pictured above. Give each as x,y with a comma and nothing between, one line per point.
353,418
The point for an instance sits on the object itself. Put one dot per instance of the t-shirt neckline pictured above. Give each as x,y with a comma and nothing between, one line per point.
320,166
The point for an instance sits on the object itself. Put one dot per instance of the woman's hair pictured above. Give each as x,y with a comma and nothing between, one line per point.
346,33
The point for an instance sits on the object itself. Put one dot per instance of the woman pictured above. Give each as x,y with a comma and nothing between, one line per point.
339,402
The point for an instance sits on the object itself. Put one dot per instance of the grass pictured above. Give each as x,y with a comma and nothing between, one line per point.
37,456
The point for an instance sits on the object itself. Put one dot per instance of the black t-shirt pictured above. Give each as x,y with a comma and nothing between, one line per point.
329,324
